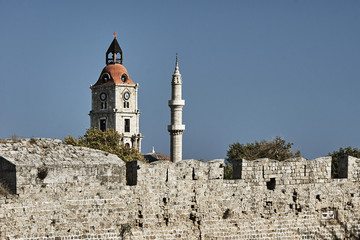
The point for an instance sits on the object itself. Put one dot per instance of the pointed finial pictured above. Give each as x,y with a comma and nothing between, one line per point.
176,64
115,34
153,150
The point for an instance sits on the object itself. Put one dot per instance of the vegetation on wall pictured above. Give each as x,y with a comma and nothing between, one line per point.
342,152
277,149
107,141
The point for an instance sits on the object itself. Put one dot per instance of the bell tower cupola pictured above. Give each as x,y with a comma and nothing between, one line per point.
114,53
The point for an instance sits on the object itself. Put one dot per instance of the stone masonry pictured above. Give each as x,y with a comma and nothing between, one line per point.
63,192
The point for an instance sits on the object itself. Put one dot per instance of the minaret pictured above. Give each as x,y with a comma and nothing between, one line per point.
176,105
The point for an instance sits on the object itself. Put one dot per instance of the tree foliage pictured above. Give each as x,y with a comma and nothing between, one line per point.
342,152
107,141
277,149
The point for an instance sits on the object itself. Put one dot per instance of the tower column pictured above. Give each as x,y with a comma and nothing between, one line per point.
176,105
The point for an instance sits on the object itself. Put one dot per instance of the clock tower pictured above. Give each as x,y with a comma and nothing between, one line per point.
114,99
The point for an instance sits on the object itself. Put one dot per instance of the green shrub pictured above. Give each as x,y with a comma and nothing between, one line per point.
108,141
342,152
277,149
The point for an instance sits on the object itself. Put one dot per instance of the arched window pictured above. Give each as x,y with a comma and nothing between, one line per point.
105,77
118,57
110,58
124,77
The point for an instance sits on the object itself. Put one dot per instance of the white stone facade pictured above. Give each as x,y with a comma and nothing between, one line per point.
116,114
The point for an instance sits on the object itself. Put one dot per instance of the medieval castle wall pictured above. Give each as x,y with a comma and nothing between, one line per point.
67,192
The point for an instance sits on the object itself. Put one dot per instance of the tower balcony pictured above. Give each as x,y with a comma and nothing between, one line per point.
180,127
176,102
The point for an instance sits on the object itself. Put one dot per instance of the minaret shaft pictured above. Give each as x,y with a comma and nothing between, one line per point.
176,91
176,105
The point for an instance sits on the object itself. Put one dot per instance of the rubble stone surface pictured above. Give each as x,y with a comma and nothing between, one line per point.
64,192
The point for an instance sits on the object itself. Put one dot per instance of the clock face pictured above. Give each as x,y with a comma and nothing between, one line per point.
103,96
126,96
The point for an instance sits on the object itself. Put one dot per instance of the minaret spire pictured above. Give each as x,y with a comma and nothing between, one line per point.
177,65
176,105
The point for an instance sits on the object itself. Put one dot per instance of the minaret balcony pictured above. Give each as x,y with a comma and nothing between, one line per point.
180,127
176,102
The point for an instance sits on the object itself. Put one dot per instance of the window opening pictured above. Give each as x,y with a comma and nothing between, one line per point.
118,58
127,125
127,145
304,170
103,125
126,104
103,105
105,78
110,58
123,77
271,184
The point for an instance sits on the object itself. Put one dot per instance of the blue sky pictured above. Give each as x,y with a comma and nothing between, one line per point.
252,70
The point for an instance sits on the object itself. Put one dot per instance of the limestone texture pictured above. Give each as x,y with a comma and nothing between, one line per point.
63,192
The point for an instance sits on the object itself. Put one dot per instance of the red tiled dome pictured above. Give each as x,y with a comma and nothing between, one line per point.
117,74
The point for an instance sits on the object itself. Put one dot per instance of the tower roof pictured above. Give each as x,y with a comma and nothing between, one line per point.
176,78
153,157
114,47
114,74
114,53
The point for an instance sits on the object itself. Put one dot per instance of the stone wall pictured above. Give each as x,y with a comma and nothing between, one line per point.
292,171
88,194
